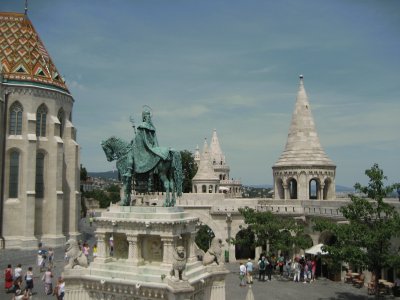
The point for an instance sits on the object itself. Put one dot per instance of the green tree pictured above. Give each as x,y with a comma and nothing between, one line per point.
113,193
281,233
189,169
104,197
366,240
83,178
203,237
83,173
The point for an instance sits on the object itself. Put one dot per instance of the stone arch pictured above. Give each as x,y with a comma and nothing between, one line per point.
314,187
306,242
205,218
245,251
292,188
286,249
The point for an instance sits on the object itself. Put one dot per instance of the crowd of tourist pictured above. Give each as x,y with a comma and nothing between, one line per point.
20,282
301,269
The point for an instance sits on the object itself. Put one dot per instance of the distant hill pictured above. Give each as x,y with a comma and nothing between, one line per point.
114,175
105,175
341,189
260,186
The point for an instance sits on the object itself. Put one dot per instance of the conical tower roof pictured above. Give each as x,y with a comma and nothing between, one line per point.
215,149
205,170
303,146
24,58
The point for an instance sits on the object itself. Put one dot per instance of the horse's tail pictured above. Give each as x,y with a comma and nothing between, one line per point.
178,174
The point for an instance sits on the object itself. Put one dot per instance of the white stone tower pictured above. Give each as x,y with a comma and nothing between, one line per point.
303,170
40,196
205,180
218,158
197,156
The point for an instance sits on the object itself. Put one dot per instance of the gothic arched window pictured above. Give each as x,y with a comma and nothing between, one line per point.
39,184
61,118
15,125
41,115
14,174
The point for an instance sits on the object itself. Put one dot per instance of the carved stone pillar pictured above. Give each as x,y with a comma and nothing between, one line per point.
218,290
285,191
101,245
321,192
133,251
168,248
191,248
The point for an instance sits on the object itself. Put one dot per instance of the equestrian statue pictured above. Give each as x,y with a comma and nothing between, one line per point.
142,158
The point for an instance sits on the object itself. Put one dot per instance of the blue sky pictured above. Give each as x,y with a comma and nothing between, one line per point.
233,66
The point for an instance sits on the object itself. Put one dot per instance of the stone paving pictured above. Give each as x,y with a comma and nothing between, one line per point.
283,289
276,289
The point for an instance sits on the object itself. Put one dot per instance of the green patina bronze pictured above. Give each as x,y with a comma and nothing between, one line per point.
142,157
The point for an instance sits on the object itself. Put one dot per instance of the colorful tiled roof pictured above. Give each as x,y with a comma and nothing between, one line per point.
23,55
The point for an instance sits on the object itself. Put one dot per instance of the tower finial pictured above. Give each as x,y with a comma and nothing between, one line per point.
301,79
26,7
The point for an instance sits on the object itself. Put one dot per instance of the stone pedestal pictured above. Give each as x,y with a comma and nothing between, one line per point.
144,241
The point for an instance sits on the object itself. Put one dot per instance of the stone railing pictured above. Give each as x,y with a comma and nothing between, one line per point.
230,182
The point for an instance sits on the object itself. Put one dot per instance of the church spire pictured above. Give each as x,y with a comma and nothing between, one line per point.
205,170
303,146
217,155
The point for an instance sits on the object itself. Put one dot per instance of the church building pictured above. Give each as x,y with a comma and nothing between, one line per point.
40,198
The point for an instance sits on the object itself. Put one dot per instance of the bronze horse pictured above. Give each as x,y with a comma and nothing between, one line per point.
169,170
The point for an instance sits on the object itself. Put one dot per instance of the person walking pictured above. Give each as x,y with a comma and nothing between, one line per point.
50,254
269,269
94,249
242,275
313,269
111,245
48,281
17,272
262,265
249,270
61,288
29,279
8,278
297,270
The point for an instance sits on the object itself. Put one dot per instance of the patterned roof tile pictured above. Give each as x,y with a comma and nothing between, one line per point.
23,55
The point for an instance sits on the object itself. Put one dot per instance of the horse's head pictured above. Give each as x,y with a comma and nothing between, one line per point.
108,148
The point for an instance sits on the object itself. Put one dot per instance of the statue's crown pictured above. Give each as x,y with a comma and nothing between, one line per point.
146,111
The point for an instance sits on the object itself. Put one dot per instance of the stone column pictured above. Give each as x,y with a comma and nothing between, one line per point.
321,192
101,245
133,252
168,248
285,191
191,255
218,290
